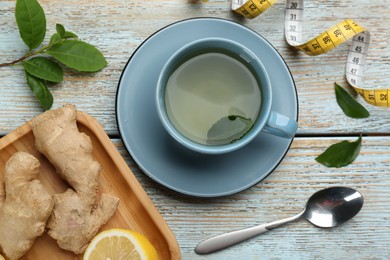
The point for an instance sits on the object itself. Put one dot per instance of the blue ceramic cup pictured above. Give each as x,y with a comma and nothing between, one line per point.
266,120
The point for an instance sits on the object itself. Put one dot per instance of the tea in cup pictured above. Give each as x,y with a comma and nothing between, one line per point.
214,96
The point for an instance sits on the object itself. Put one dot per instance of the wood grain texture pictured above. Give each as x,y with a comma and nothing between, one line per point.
135,210
118,27
283,194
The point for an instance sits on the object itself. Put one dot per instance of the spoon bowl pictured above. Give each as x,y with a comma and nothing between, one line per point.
326,208
333,206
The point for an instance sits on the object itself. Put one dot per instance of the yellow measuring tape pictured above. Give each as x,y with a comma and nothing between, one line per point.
324,42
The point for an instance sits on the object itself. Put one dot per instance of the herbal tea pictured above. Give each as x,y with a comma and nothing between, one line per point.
212,99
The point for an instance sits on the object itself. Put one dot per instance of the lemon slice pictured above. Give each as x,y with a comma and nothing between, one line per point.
115,244
2,257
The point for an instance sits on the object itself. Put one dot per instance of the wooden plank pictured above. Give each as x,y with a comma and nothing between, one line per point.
283,194
135,210
118,27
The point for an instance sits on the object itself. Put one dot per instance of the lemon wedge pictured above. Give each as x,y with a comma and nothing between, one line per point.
115,244
2,257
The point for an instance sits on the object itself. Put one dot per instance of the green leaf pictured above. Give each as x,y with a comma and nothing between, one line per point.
44,68
63,33
60,30
228,129
68,35
78,55
340,154
31,22
55,39
348,104
40,90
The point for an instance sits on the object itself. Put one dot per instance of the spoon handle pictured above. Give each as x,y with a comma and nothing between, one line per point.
222,241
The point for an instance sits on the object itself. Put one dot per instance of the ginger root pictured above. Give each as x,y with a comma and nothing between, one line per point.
77,214
25,205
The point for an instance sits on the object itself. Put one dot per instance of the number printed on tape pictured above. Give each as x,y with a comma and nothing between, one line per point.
324,42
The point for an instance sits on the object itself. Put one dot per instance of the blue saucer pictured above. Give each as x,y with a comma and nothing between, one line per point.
172,165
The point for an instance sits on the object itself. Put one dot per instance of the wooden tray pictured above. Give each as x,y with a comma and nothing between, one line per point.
135,211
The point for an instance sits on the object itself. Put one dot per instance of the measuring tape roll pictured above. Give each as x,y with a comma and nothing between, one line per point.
324,42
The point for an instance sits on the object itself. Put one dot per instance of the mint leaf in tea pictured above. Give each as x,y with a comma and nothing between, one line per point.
228,130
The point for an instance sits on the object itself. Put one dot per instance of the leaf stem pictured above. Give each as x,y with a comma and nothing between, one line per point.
28,55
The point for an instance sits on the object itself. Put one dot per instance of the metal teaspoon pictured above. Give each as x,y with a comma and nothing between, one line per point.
326,208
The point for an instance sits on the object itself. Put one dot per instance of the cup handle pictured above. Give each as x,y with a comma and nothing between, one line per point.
280,125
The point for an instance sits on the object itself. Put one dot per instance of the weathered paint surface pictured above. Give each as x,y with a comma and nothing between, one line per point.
118,27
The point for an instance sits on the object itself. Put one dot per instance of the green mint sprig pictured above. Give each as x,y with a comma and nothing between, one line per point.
41,64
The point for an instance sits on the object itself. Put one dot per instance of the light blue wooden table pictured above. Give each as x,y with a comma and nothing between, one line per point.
117,27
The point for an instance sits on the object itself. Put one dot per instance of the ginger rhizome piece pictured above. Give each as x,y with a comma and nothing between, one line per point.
77,214
25,205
